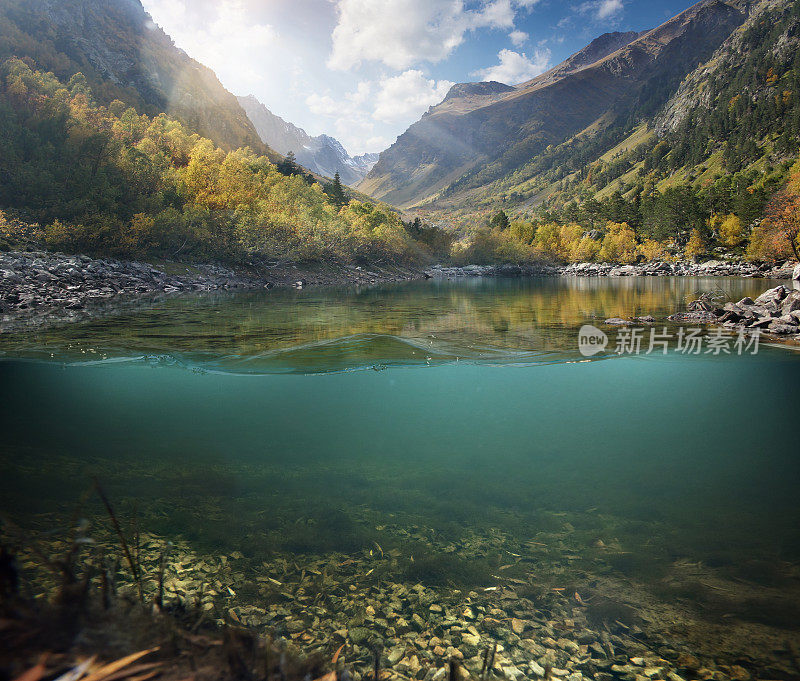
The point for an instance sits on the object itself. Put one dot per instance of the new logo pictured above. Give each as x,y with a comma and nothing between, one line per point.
591,340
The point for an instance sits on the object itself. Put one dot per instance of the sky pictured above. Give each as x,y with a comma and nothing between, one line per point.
364,70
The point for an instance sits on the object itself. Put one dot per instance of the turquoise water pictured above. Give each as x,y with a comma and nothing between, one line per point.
304,423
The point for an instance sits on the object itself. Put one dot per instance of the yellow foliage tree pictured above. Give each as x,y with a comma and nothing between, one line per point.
695,247
651,250
729,228
547,242
619,244
584,250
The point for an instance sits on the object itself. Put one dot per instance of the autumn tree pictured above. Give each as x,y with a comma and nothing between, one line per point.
695,246
619,244
778,235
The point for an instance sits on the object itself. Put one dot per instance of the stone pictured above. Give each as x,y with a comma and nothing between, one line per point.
780,328
517,626
470,639
791,303
359,635
773,295
597,650
295,626
536,669
796,273
617,321
395,655
738,673
687,661
568,645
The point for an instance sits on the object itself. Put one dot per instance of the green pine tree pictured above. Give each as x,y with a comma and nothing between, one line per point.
336,193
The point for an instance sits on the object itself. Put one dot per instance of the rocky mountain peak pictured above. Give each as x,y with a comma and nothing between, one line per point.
323,154
491,87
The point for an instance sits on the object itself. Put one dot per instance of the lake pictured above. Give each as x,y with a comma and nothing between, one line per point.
447,433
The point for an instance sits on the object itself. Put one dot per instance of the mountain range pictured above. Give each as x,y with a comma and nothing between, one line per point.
710,93
483,137
124,55
323,154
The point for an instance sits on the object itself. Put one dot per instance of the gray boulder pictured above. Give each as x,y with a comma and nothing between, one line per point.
790,303
779,328
773,295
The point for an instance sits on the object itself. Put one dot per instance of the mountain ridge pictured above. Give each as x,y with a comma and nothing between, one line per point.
322,154
472,145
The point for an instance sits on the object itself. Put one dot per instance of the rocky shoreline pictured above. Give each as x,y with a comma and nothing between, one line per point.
711,268
38,288
776,312
69,287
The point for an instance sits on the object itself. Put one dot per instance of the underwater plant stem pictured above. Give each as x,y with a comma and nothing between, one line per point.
125,548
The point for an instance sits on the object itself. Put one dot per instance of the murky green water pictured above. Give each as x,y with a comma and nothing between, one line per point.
424,418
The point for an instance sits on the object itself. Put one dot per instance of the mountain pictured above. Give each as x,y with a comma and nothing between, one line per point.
322,154
727,135
485,133
125,56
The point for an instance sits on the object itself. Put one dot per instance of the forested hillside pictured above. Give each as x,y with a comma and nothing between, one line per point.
123,55
712,170
107,179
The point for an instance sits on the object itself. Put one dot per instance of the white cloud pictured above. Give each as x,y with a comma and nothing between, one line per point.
402,33
497,14
323,105
408,96
222,36
515,67
399,99
518,38
602,10
609,8
378,142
